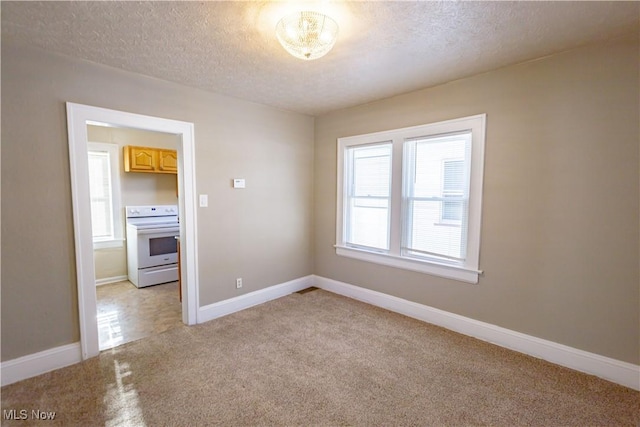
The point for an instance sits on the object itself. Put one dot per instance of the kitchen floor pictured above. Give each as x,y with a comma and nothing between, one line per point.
126,313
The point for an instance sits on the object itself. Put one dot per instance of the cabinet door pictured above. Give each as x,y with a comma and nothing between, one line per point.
168,161
142,159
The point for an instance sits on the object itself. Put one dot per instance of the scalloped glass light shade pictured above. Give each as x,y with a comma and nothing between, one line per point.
307,35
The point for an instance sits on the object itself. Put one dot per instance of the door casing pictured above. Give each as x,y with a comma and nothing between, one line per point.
78,116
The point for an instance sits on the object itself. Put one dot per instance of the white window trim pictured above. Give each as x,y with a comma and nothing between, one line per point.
468,272
114,160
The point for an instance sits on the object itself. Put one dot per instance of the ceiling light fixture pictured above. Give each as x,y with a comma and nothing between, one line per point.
307,35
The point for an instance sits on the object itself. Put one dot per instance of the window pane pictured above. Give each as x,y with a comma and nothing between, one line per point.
368,221
436,193
431,156
100,219
431,237
371,167
100,191
368,196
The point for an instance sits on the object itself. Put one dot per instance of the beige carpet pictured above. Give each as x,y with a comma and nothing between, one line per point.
319,359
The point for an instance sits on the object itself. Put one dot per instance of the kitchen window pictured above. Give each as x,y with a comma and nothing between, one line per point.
104,188
411,198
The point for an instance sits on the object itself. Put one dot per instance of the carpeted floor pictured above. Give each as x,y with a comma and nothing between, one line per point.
318,359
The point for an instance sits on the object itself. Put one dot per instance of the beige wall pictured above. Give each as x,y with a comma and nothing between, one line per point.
260,233
110,263
135,188
560,236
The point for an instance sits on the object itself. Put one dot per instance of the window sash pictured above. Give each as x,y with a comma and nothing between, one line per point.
368,196
430,166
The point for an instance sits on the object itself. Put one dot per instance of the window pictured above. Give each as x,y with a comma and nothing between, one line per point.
104,188
411,198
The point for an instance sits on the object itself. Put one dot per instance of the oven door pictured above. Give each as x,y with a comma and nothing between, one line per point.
157,246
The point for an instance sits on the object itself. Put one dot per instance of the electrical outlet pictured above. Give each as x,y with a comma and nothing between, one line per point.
238,282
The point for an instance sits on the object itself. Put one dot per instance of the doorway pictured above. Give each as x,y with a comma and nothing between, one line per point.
78,117
129,309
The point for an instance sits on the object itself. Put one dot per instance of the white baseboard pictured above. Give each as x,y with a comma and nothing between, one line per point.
39,363
229,306
108,280
623,373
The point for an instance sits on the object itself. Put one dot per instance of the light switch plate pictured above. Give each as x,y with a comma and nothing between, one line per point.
238,183
204,200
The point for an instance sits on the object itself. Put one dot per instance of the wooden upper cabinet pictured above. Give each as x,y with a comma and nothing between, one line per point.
150,160
139,159
168,161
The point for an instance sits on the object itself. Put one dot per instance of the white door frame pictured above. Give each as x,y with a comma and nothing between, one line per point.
77,117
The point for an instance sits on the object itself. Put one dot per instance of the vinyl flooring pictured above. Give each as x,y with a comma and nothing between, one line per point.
126,313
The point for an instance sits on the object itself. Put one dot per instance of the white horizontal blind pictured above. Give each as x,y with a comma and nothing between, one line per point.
368,196
436,196
101,191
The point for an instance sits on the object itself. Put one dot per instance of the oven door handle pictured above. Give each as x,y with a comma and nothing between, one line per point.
168,231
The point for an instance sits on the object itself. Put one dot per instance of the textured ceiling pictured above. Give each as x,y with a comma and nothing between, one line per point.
383,48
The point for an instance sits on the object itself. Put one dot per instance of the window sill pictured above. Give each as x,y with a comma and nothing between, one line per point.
106,244
428,267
